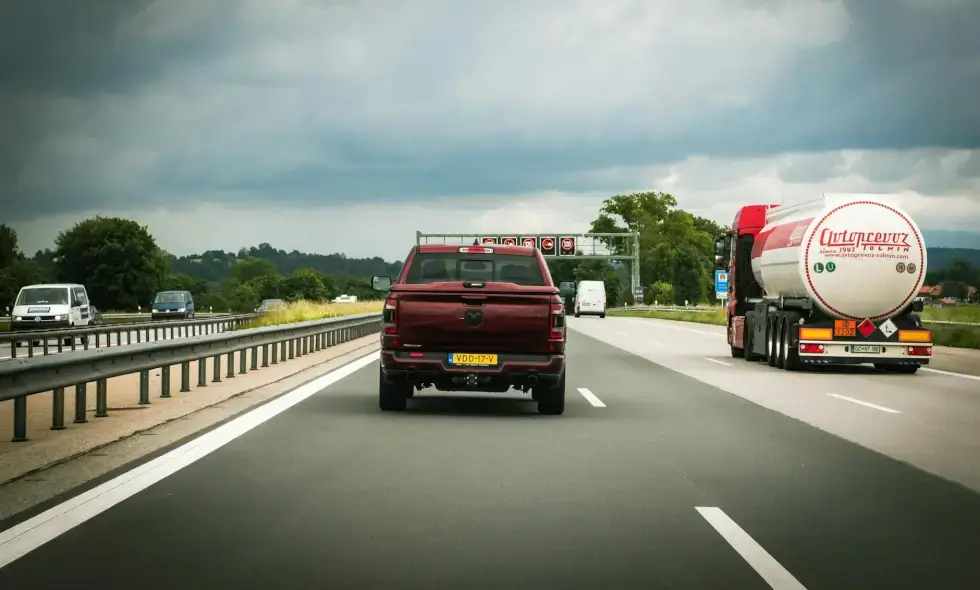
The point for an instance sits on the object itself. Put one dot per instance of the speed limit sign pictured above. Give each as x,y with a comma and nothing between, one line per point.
529,242
567,246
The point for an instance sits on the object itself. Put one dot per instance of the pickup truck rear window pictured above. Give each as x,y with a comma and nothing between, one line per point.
481,268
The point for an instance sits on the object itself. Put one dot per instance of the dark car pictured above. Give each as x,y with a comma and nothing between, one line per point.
173,305
472,318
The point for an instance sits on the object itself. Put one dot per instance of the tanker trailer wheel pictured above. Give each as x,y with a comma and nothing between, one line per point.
779,338
790,355
772,335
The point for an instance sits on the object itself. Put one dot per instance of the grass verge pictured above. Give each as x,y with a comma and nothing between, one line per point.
942,335
304,311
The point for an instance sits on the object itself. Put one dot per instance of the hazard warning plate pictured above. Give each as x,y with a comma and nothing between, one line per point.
888,328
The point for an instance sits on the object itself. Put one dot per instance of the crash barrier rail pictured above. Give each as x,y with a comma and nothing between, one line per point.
274,344
134,333
710,309
137,317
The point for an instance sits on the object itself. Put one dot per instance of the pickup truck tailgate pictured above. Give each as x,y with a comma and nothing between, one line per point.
476,320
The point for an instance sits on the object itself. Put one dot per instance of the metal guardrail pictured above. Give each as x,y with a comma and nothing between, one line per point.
136,317
92,336
28,376
692,309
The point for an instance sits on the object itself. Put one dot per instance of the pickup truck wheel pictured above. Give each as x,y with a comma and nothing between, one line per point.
551,398
392,397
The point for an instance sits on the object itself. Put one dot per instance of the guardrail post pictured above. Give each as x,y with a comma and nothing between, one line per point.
80,403
231,365
144,387
282,351
98,337
216,377
156,334
292,353
185,376
172,332
255,358
265,355
101,401
202,372
165,381
139,335
20,419
58,409
242,360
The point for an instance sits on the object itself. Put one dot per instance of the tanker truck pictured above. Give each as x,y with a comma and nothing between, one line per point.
831,281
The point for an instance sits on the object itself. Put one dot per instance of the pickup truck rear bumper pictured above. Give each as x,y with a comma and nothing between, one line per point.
513,370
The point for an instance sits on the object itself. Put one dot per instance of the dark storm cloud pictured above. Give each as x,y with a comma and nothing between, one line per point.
905,75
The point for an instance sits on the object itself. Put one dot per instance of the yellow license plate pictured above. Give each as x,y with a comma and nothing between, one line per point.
469,359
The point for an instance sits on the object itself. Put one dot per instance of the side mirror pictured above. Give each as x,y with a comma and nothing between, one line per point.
720,246
720,262
566,288
382,284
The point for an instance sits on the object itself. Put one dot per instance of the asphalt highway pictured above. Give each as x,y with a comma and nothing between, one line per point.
652,479
124,338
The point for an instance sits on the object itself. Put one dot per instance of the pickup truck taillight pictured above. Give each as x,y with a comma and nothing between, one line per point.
557,321
389,316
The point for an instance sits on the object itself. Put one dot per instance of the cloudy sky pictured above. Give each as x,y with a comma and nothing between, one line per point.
346,125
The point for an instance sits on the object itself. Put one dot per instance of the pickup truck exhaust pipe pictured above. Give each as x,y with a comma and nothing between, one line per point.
532,381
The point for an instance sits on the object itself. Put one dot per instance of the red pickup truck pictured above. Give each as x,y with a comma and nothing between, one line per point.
472,318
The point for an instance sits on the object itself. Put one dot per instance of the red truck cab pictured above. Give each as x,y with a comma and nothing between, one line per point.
472,318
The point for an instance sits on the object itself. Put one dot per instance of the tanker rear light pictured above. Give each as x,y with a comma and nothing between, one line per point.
920,351
915,335
816,334
809,348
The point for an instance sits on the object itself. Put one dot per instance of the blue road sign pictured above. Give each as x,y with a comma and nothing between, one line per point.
721,284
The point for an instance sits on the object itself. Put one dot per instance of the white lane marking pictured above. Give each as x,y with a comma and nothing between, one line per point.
718,362
622,334
863,403
595,401
951,374
27,536
764,564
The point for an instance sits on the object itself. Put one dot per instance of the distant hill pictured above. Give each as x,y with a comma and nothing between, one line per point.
945,238
940,257
214,265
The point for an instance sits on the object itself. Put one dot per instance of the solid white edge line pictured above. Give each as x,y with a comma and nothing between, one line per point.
718,362
864,403
950,373
27,536
758,558
587,394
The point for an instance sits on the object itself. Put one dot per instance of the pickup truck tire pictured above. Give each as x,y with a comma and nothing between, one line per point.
392,397
551,398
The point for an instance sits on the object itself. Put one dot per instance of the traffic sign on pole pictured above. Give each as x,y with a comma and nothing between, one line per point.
721,284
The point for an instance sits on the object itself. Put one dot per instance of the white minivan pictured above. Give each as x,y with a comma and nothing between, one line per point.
51,307
590,298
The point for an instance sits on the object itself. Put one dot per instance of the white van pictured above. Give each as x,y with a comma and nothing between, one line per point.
590,298
51,307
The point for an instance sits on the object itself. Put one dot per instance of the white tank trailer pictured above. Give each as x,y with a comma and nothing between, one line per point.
829,281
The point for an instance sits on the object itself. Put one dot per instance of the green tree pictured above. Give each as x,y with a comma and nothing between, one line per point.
247,269
675,246
266,286
661,293
116,259
16,270
306,283
242,299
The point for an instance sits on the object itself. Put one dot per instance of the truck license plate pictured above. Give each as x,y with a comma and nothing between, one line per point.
469,359
866,349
